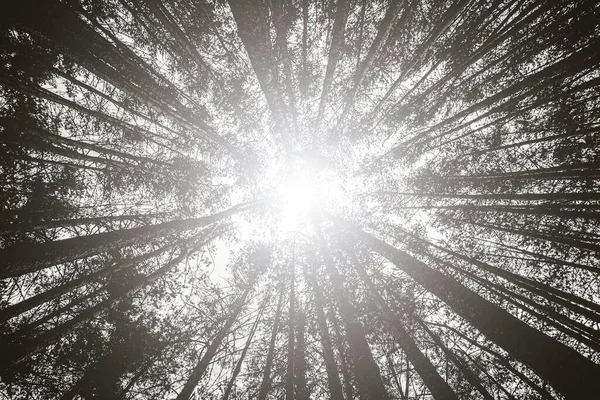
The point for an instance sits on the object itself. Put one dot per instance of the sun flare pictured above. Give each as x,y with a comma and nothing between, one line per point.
299,196
305,190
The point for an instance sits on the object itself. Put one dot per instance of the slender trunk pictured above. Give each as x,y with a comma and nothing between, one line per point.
167,20
567,300
383,31
333,379
548,259
589,196
300,366
206,360
471,377
50,294
390,363
557,210
280,15
337,41
32,326
503,361
577,61
119,104
254,33
548,138
407,386
265,384
24,342
434,34
116,63
238,365
339,344
500,386
304,80
569,240
581,332
289,377
12,227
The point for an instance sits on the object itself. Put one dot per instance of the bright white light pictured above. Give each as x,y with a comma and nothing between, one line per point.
302,196
299,195
301,187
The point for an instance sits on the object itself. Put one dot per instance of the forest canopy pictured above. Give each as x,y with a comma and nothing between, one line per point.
300,199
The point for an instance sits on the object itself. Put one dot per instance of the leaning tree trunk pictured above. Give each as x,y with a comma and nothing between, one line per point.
335,51
238,365
50,294
471,377
24,258
344,360
438,387
205,361
24,342
253,30
502,361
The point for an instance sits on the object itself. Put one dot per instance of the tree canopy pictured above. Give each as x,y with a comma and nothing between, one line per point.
344,199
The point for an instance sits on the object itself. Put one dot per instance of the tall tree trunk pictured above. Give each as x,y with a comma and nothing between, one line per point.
565,299
392,367
366,369
24,258
289,377
24,342
473,379
265,384
503,361
438,387
344,360
12,227
50,294
255,35
333,379
302,392
335,51
564,368
383,31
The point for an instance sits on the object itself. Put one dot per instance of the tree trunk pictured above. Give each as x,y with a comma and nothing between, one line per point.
238,365
289,377
344,361
302,392
265,384
337,41
333,379
24,258
438,387
366,369
464,369
205,361
564,368
504,362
